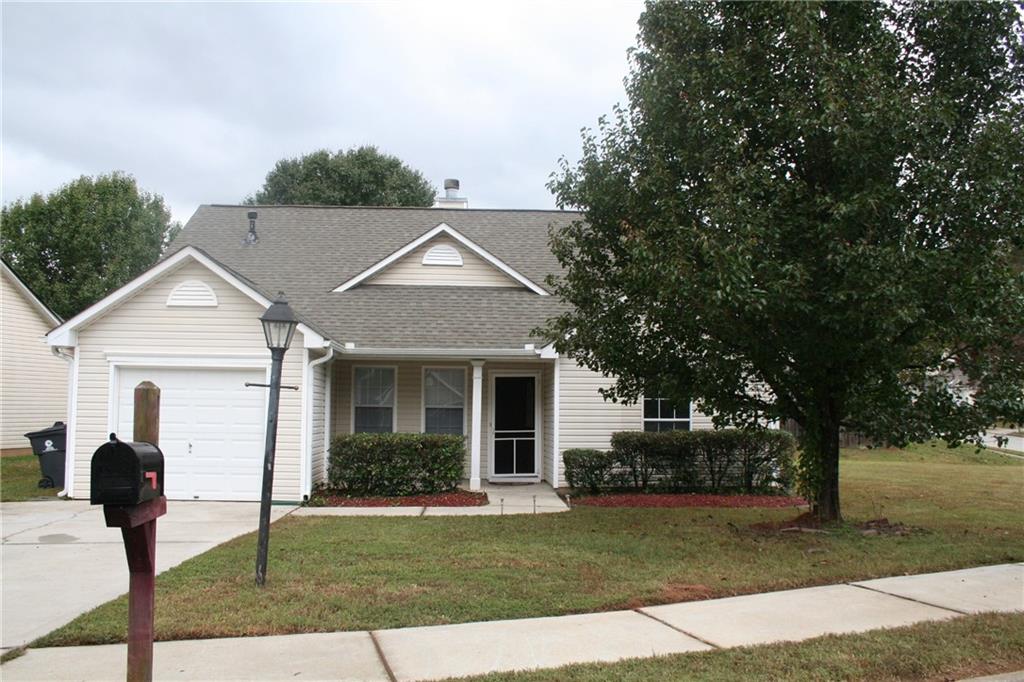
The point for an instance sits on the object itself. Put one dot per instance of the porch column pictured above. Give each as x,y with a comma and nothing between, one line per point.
474,434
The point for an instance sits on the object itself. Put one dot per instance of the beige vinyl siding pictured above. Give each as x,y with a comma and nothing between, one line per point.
474,271
587,420
318,453
144,324
33,382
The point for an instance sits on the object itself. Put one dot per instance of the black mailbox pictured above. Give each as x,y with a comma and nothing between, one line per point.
126,473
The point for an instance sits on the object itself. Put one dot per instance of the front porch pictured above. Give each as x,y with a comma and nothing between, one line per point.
505,407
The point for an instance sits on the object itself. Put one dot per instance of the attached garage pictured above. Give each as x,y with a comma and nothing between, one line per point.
193,329
211,428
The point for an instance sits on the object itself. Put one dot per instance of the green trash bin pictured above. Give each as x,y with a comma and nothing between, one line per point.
49,445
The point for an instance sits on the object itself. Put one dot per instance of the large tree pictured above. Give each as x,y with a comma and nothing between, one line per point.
808,211
361,176
91,236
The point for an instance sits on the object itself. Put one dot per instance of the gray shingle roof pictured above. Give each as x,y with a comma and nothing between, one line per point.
307,251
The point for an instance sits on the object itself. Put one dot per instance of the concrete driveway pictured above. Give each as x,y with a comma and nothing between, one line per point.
59,560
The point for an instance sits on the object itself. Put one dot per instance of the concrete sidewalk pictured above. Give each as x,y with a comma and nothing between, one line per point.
426,653
512,498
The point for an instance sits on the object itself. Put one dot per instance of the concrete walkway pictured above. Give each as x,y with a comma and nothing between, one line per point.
427,653
511,498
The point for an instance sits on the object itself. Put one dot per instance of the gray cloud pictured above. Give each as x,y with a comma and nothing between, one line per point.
199,100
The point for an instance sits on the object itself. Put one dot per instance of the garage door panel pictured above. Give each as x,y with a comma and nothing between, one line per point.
211,429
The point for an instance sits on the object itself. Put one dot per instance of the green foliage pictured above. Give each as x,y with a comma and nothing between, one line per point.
364,464
361,176
723,461
808,211
588,469
91,236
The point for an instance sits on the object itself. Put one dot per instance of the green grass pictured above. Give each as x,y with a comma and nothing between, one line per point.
329,574
947,650
19,479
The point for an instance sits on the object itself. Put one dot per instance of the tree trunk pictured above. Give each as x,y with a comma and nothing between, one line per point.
827,504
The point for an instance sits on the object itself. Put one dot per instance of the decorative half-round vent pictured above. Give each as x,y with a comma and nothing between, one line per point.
443,254
192,293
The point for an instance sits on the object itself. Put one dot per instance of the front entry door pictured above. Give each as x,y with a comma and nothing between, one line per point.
515,426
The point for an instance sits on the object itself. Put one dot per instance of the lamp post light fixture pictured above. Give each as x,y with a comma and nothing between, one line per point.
278,326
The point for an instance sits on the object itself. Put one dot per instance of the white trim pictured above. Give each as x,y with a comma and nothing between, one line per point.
352,397
172,359
444,255
538,420
548,352
64,335
423,395
421,353
32,299
474,453
192,293
427,236
556,425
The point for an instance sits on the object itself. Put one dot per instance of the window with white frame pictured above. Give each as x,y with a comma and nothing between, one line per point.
444,400
373,398
663,415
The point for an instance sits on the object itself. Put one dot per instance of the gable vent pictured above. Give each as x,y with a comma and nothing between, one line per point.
443,254
192,294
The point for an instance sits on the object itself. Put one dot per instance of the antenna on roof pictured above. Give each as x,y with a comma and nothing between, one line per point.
251,237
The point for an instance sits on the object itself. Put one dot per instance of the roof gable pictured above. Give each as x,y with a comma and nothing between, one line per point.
30,296
378,270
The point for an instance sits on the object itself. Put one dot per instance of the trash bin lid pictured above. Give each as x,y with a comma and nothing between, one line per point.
58,427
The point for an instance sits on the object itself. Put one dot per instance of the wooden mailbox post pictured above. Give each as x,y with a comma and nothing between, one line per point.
138,530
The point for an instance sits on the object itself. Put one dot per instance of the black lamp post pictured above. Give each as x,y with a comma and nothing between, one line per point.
278,326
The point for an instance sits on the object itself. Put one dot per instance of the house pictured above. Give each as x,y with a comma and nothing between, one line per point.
412,319
33,380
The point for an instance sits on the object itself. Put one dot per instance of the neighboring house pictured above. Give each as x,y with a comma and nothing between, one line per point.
412,319
33,381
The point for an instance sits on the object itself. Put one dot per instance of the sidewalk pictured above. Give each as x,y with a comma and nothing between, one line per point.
512,498
427,653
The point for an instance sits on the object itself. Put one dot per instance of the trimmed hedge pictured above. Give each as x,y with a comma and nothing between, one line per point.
724,461
364,464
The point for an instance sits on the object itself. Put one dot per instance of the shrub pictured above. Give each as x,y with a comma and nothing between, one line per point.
728,460
396,463
588,469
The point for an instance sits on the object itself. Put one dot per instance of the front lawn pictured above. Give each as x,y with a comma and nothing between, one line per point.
19,479
944,650
344,573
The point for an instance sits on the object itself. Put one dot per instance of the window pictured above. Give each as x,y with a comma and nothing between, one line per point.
373,395
444,400
662,415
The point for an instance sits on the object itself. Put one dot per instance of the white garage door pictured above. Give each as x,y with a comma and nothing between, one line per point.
211,429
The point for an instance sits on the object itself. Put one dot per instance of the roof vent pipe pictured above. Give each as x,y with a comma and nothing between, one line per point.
451,198
451,188
251,237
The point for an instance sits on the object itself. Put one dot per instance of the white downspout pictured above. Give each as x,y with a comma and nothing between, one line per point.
70,423
307,484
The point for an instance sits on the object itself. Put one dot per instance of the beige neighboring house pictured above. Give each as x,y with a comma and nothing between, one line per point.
33,380
412,320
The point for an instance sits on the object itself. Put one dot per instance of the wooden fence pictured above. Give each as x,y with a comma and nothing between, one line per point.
847,439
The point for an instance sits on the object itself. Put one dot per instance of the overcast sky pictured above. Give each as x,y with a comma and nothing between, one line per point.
198,101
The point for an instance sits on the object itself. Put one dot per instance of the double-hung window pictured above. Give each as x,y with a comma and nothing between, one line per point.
373,399
662,415
444,400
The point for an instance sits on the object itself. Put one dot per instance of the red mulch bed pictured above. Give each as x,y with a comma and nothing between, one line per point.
456,498
688,500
